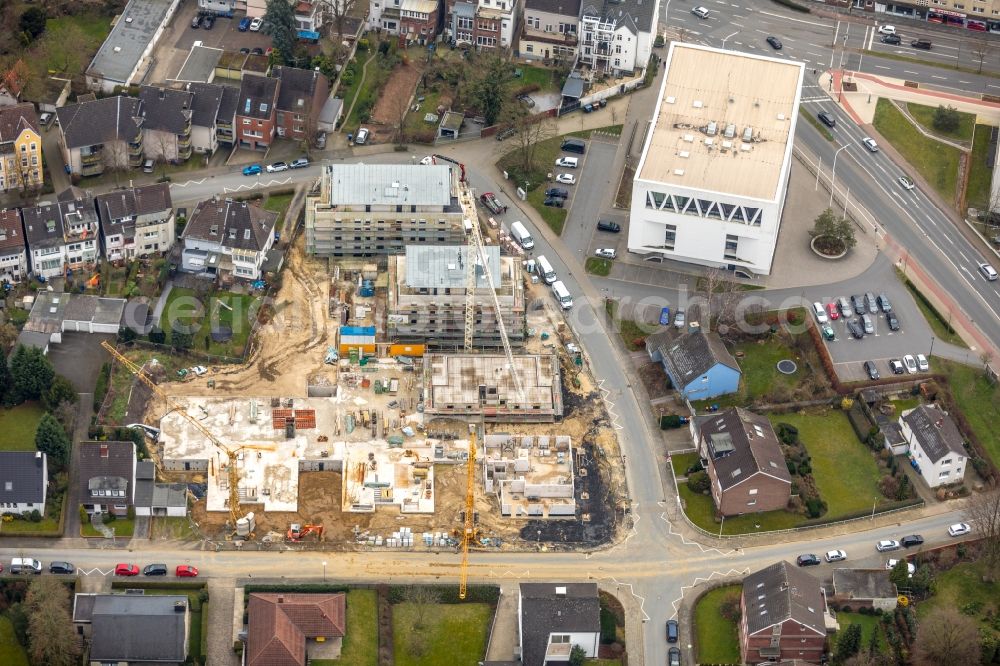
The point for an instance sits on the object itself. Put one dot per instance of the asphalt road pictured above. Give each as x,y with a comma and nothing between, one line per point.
590,196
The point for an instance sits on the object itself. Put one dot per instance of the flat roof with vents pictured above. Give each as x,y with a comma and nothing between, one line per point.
723,122
121,53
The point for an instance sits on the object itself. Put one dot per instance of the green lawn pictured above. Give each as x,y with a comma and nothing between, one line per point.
360,646
701,511
979,401
543,77
545,155
187,308
814,121
682,462
123,527
12,653
925,116
598,266
453,634
414,123
845,471
902,405
18,425
554,217
717,639
278,203
760,373
95,28
962,584
162,527
977,190
937,321
935,161
869,624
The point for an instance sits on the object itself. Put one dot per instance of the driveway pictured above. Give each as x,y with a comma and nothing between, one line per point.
78,358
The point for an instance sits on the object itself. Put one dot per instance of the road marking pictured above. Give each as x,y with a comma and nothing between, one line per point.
906,71
965,82
699,579
738,25
882,169
963,256
789,18
948,238
189,182
935,76
882,67
818,55
990,85
694,33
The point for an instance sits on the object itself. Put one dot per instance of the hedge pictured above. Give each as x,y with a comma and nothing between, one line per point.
448,594
159,584
609,633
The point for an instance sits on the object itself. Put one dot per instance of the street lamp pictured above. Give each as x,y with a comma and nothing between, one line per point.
324,571
833,173
931,352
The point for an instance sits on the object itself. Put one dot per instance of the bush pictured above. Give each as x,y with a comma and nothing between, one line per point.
35,516
815,507
157,336
658,42
788,433
670,421
946,119
804,468
698,482
608,630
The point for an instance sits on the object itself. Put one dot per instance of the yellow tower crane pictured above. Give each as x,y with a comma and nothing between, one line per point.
469,531
231,452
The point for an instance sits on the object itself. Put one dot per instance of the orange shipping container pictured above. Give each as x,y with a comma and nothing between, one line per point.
406,350
345,349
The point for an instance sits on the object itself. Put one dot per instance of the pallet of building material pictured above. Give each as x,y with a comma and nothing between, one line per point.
305,418
279,416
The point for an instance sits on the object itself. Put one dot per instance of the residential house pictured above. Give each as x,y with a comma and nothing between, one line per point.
212,116
158,499
134,629
486,24
63,235
309,15
24,479
549,31
101,134
227,239
784,615
224,7
107,477
44,235
865,588
136,222
553,617
54,313
697,362
935,445
20,148
302,94
80,228
460,21
166,127
255,112
745,463
12,83
418,20
13,252
286,629
616,37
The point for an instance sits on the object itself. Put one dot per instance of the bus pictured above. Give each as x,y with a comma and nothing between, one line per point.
544,269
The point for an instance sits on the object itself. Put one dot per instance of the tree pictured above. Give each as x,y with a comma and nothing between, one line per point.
157,336
422,597
399,108
181,339
32,23
946,119
279,23
983,511
50,627
698,482
529,131
900,575
114,158
7,392
59,391
722,295
981,49
945,636
848,643
66,46
577,656
51,439
338,10
489,91
833,235
66,413
32,373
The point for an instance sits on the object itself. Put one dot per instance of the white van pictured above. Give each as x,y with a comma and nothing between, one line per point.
521,235
562,295
25,565
544,268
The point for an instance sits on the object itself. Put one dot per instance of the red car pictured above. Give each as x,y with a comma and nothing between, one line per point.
186,571
123,569
831,309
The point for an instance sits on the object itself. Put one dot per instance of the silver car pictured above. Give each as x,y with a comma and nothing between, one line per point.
867,324
871,303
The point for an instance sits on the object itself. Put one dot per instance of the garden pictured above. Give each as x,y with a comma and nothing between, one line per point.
716,616
218,322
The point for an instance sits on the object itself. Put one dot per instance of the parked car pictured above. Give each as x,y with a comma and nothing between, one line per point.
870,144
566,179
958,529
910,363
672,631
186,571
299,163
674,657
123,569
608,225
828,333
62,568
605,252
257,51
276,167
252,170
680,319
820,313
867,324
856,331
807,560
154,570
256,24
892,320
891,39
924,44
505,134
45,118
245,51
557,192
361,137
911,568
827,119
244,24
774,42
700,12
886,545
836,556
555,202
844,306
320,140
858,302
208,22
871,370
884,303
922,364
526,99
870,302
832,311
887,29
905,183
567,162
896,366
911,540
196,22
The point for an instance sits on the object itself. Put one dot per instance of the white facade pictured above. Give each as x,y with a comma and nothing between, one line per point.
48,262
13,266
947,469
506,13
560,644
220,6
712,191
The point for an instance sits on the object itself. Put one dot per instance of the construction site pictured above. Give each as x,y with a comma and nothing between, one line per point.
361,441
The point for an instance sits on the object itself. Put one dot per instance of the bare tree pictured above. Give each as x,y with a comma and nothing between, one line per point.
980,49
422,597
722,294
945,636
400,106
163,148
339,10
983,511
50,628
529,131
114,157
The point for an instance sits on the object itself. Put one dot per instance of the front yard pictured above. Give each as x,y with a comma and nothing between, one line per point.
977,189
123,527
18,425
979,401
360,647
12,653
278,203
716,638
452,634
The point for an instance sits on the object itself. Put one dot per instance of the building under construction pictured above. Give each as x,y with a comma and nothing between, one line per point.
427,297
531,477
469,386
365,210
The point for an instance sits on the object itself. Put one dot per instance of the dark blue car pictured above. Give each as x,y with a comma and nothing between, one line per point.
244,24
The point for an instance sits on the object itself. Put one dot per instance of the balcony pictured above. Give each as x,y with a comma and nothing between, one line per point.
94,169
91,158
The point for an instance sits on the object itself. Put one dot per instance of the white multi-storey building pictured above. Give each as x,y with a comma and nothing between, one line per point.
617,37
710,186
935,445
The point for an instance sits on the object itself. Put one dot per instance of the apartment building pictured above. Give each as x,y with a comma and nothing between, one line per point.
13,252
617,37
136,222
101,134
550,30
255,112
227,240
302,94
63,235
427,297
486,24
166,126
365,210
20,148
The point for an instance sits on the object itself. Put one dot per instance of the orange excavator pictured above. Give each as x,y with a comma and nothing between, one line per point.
297,532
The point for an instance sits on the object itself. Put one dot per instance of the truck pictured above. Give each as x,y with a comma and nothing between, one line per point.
25,565
562,295
544,269
490,200
521,235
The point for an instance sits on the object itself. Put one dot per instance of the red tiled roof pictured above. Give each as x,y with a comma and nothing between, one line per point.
279,625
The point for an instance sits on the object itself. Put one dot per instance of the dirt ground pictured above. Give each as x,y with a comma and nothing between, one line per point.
396,93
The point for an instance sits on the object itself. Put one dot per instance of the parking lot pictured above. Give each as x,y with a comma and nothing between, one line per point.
594,186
